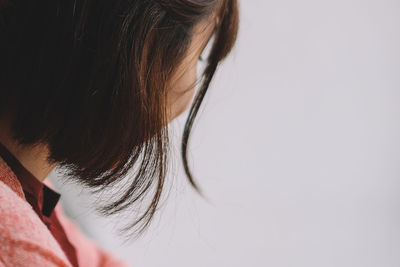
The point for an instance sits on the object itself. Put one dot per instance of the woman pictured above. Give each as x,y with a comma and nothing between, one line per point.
90,87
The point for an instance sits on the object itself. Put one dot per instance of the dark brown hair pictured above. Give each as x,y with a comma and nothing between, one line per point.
89,80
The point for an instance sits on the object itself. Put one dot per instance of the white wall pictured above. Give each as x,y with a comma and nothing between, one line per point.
297,147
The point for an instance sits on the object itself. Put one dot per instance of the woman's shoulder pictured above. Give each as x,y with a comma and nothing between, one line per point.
23,236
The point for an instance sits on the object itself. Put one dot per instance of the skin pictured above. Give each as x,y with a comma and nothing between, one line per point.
179,98
182,90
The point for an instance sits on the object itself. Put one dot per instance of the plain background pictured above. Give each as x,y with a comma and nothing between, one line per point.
297,146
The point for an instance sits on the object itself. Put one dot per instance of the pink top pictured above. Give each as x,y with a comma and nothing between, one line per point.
25,239
43,201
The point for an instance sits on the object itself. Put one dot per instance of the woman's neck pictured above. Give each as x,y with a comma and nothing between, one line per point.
34,159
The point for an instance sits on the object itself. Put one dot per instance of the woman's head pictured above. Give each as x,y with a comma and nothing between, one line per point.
98,81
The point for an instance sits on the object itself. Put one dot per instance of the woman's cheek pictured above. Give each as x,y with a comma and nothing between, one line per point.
181,94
